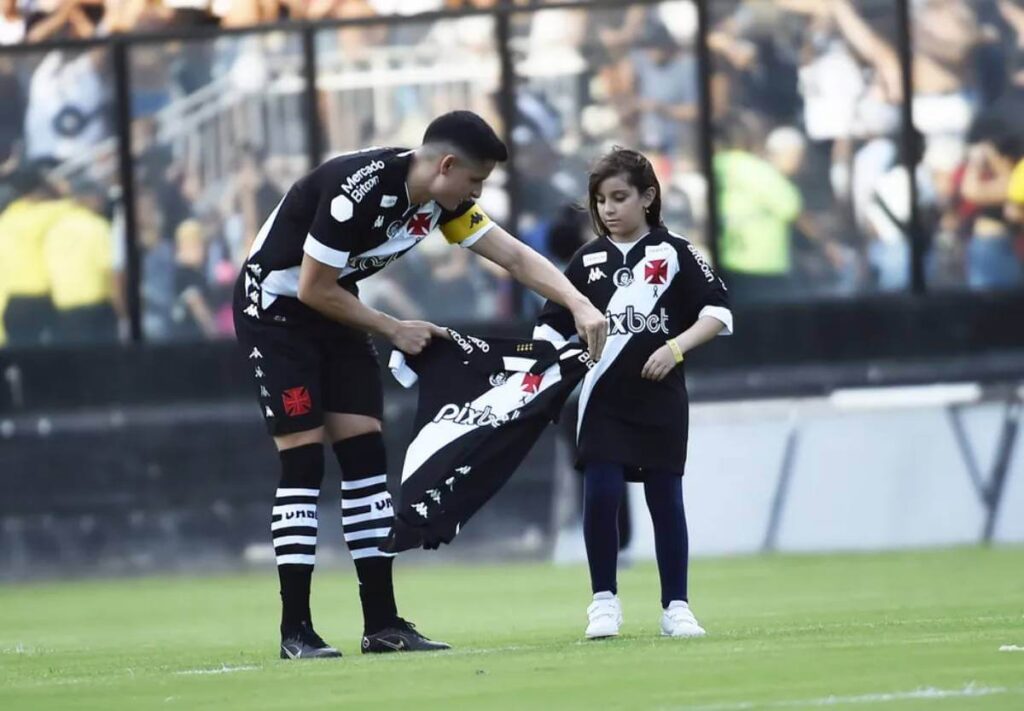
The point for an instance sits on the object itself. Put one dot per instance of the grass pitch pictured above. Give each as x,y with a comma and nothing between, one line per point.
920,630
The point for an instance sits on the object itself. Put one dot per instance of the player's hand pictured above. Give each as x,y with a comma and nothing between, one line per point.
411,337
660,364
592,327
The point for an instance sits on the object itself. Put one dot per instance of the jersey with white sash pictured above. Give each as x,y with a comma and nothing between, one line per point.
483,402
650,290
353,213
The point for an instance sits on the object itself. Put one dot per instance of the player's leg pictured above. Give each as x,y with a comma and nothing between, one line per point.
603,487
285,366
664,493
355,409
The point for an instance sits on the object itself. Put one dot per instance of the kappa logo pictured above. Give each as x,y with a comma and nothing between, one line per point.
632,321
255,355
251,310
254,296
435,495
464,470
256,269
475,219
623,277
259,372
471,417
498,379
378,222
297,401
268,412
596,275
264,392
421,509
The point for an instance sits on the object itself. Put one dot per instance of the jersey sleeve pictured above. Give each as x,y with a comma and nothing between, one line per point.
555,322
337,194
465,224
704,292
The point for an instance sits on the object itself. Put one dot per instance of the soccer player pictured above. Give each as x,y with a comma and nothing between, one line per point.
306,338
662,300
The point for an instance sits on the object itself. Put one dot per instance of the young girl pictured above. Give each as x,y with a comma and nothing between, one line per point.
662,300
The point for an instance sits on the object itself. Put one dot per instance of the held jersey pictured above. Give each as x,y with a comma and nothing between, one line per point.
353,213
482,405
650,290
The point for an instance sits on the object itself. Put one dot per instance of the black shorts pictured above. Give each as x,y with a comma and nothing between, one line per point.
304,368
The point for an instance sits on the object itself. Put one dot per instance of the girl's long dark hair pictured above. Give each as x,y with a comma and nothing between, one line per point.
639,173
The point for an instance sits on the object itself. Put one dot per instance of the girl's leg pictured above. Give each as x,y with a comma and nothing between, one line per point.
603,484
664,492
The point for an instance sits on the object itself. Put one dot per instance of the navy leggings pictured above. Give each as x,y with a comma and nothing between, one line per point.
603,486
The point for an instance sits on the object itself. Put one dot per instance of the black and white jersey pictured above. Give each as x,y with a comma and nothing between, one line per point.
650,290
353,212
483,402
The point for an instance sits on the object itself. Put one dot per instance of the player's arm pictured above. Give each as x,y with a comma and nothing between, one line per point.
319,290
538,274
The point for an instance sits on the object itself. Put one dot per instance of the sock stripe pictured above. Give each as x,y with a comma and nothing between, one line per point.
377,533
296,559
365,500
370,515
348,526
285,492
284,524
370,553
289,540
364,482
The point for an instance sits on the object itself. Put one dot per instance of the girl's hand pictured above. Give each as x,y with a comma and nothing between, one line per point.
660,364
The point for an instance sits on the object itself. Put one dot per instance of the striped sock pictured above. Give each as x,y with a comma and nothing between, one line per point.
366,514
293,528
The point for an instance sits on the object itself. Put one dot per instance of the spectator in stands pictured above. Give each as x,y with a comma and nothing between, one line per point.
758,206
666,91
192,316
157,257
79,255
991,260
61,19
67,105
12,22
24,279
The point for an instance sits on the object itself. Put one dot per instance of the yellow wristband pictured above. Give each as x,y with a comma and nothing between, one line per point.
673,346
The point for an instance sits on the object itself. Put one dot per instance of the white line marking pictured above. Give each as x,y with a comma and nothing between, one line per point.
224,669
1011,648
927,693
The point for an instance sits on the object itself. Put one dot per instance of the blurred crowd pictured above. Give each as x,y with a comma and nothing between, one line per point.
806,104
41,20
807,99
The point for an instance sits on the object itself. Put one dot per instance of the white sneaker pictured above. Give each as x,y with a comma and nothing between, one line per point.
605,615
678,621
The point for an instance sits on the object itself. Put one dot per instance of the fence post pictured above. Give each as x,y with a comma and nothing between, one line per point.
314,137
910,144
126,169
706,128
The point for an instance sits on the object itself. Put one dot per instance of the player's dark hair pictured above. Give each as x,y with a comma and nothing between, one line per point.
469,133
638,172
